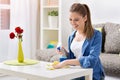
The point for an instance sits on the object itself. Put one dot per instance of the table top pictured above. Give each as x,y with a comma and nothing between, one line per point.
39,71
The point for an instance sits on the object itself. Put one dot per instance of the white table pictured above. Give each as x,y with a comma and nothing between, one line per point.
39,72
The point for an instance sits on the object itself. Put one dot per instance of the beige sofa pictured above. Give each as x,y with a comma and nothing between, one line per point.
110,49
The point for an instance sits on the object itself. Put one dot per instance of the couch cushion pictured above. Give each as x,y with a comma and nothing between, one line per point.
111,63
45,54
112,39
98,25
55,58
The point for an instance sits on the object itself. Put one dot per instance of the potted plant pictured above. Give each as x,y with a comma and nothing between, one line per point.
53,19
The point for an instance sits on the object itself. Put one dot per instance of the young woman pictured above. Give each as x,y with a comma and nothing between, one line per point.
84,43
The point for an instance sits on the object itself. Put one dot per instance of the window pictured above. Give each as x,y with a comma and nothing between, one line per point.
4,14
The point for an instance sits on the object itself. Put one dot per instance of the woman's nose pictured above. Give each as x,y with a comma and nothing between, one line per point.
72,22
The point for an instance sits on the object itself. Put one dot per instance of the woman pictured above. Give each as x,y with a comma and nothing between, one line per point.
84,43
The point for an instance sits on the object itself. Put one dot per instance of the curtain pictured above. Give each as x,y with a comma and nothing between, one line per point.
24,13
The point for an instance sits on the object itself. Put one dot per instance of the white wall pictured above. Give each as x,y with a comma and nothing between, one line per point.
104,10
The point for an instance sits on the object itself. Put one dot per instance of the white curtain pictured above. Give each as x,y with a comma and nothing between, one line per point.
24,13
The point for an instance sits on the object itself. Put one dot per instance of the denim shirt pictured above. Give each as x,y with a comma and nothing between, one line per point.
91,50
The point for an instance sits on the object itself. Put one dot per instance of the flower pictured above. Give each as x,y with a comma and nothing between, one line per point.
12,35
18,32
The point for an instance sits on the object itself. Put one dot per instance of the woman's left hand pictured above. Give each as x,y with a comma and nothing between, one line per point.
65,63
60,65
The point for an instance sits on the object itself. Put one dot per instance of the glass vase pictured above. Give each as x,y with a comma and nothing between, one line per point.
20,52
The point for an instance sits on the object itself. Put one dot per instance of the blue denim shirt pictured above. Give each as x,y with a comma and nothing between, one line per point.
91,50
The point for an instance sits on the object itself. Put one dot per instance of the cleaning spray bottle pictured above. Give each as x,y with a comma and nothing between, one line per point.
62,56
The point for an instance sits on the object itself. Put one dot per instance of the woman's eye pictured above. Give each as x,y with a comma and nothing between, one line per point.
70,19
76,20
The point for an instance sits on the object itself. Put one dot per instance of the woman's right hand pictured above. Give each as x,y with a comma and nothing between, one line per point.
59,52
62,51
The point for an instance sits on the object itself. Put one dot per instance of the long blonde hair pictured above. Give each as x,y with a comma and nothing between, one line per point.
83,10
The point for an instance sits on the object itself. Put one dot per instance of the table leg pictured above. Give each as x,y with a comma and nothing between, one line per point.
88,77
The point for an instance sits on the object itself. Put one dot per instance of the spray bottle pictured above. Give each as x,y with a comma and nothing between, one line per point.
62,56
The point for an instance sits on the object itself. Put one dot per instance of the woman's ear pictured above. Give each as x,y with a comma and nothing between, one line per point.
85,18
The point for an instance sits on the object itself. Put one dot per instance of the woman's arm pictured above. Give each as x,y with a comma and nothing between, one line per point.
67,62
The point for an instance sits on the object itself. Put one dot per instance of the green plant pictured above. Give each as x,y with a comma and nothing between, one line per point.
53,13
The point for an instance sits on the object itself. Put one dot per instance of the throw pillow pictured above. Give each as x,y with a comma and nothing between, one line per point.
99,29
112,40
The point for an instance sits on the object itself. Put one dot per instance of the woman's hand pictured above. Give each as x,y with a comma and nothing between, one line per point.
64,63
60,65
59,51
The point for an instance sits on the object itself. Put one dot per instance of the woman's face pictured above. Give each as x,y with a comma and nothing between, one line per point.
77,21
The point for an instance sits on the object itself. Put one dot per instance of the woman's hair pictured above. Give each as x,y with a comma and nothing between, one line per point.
83,10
